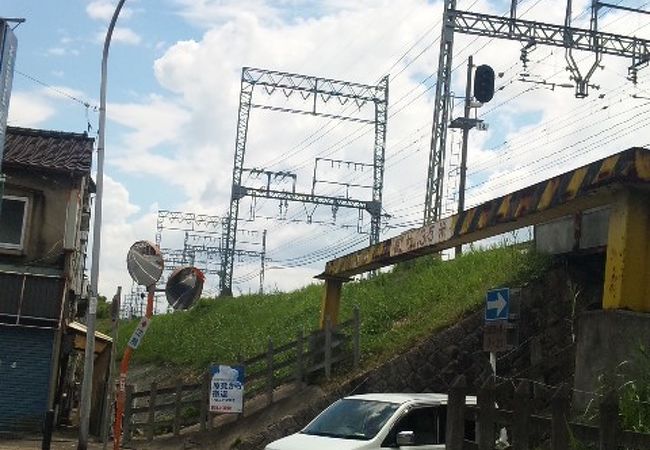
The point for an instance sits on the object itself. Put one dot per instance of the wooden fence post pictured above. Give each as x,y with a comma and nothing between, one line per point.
521,417
152,412
177,407
560,419
300,343
609,421
356,341
269,373
128,408
328,347
456,414
205,401
486,415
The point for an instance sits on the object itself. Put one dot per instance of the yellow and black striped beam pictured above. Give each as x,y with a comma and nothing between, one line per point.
586,187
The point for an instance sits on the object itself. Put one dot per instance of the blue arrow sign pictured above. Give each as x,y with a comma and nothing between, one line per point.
497,304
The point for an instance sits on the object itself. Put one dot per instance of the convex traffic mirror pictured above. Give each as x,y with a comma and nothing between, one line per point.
144,263
184,287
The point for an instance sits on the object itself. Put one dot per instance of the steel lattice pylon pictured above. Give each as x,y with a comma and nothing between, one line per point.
531,33
202,243
311,89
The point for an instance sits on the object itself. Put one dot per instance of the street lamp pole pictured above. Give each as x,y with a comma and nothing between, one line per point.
86,387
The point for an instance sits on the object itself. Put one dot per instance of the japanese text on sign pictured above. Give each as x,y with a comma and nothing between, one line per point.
138,333
227,389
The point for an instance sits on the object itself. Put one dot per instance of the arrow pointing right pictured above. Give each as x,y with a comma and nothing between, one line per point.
499,303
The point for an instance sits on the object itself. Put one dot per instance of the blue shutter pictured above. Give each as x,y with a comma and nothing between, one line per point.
25,366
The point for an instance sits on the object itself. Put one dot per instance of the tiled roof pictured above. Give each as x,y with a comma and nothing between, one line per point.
48,150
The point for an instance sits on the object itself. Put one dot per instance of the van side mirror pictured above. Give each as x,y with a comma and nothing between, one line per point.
405,438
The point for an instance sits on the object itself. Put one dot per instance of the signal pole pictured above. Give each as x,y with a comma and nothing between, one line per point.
465,123
463,154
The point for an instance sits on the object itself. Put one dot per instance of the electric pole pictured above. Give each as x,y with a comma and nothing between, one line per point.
463,154
89,357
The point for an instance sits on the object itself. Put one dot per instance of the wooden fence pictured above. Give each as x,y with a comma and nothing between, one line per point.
167,409
527,429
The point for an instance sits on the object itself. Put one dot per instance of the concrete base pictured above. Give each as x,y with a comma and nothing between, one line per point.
605,339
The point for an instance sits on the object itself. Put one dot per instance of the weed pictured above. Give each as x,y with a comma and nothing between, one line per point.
634,394
425,294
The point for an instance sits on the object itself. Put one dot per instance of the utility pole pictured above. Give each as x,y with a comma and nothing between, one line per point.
463,155
465,123
115,320
263,262
87,384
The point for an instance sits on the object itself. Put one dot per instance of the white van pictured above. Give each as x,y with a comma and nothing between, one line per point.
377,421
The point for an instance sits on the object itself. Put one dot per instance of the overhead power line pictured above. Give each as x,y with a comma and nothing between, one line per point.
84,103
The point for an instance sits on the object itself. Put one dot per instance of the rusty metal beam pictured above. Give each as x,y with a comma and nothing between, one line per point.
590,186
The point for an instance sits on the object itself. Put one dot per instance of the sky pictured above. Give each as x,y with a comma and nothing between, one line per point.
173,94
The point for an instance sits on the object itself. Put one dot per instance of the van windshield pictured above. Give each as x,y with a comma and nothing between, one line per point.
352,419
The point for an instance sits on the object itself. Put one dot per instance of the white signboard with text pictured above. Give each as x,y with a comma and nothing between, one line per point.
227,389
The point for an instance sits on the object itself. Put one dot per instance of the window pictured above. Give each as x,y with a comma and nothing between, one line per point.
427,424
13,220
352,419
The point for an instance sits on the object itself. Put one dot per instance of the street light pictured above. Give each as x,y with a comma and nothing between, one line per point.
86,387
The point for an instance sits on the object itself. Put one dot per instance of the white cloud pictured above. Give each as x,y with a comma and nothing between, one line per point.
209,13
121,35
104,9
123,223
186,138
64,46
63,51
62,92
30,110
155,122
57,51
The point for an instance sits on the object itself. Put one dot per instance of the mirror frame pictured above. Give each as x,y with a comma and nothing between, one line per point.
200,277
155,253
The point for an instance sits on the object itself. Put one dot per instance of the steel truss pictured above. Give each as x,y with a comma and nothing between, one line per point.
310,89
532,33
184,221
202,243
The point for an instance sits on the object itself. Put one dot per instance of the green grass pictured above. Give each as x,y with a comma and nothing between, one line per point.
397,308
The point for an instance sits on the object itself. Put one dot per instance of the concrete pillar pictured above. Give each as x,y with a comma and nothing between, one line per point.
605,339
627,273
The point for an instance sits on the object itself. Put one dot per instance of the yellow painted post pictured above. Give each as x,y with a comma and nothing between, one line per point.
627,273
331,302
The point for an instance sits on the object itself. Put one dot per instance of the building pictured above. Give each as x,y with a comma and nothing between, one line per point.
44,222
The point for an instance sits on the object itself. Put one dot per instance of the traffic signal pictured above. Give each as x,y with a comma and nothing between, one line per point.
484,83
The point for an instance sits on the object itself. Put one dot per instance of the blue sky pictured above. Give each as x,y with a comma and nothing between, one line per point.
173,95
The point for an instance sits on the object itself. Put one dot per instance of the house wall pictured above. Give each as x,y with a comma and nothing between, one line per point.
29,357
49,196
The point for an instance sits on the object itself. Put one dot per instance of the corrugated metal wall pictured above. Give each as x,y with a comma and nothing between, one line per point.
25,366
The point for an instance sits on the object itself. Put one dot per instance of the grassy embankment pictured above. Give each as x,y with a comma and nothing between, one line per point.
396,309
